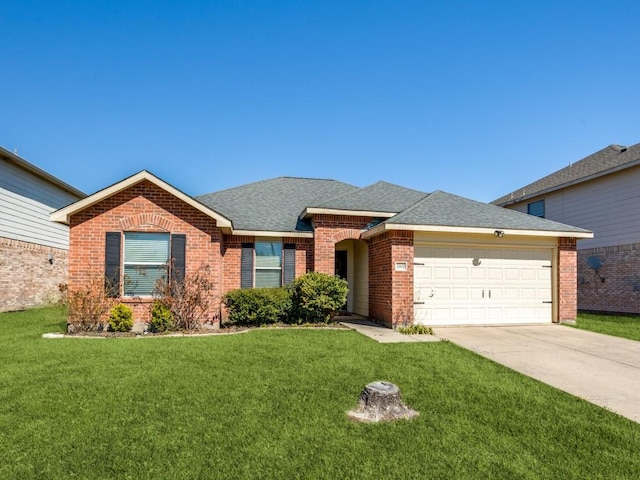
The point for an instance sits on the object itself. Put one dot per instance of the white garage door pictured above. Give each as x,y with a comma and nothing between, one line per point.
462,286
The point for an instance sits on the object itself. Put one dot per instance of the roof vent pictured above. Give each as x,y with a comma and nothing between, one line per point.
619,148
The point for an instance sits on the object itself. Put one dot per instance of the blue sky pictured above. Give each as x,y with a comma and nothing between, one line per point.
476,98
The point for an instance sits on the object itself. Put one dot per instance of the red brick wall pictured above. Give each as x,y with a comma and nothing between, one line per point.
143,207
304,254
329,230
567,279
391,291
232,252
620,292
27,277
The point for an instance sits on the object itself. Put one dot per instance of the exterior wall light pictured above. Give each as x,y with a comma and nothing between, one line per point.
498,233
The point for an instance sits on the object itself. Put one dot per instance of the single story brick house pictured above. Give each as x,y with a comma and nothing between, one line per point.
433,258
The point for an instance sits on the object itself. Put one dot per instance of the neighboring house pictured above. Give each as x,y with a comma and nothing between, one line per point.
437,258
33,249
600,193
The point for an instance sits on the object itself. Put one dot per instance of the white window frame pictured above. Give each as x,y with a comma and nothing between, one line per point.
257,268
156,263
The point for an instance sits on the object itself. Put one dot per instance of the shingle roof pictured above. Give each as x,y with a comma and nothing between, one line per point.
273,205
608,159
379,197
445,209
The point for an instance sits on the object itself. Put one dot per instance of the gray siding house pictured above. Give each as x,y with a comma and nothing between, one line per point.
33,249
600,193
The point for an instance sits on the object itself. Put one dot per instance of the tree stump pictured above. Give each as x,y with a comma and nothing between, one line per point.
381,402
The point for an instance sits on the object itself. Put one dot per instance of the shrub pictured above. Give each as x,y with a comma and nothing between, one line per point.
317,297
161,317
188,298
121,318
87,306
416,329
257,306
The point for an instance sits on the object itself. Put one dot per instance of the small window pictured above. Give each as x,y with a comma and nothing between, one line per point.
146,256
268,264
536,208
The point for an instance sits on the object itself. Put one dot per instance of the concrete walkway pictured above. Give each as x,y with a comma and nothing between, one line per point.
603,370
380,333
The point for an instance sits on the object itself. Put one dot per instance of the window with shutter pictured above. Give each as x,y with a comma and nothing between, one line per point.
268,269
112,264
145,261
289,263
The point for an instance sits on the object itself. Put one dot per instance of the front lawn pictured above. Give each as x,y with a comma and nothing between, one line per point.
272,404
619,326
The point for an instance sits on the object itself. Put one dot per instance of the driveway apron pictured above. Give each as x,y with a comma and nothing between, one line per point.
601,369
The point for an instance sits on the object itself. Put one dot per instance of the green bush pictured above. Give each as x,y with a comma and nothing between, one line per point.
161,318
120,318
317,297
257,306
416,329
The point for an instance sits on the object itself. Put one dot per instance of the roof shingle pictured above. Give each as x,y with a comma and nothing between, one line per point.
273,205
379,197
608,159
445,209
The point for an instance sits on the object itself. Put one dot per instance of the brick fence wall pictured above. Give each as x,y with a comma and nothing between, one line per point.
620,291
30,274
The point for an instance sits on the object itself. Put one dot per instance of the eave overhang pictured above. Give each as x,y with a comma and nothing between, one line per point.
63,215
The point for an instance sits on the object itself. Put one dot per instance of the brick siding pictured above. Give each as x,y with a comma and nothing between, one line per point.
391,291
567,275
144,207
329,230
30,274
620,292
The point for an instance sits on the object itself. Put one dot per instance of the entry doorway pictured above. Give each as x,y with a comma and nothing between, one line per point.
342,270
352,264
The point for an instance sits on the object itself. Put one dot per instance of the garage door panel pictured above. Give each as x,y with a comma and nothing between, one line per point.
460,293
441,273
441,293
544,274
482,285
460,273
511,273
478,274
494,273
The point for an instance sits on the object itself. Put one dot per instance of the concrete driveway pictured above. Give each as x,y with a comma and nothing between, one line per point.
602,369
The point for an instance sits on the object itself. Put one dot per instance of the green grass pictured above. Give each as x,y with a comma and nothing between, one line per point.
619,326
272,404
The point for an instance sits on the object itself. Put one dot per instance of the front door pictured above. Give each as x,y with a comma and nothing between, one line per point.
341,268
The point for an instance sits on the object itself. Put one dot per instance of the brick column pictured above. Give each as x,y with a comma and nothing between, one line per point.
567,279
391,291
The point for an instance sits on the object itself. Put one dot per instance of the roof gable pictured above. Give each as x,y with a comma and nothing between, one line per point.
63,215
380,197
603,162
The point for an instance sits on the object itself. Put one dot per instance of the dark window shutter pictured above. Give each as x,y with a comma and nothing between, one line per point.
289,263
246,266
178,262
112,263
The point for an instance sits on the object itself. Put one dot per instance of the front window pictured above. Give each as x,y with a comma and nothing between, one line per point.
536,208
268,264
146,256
